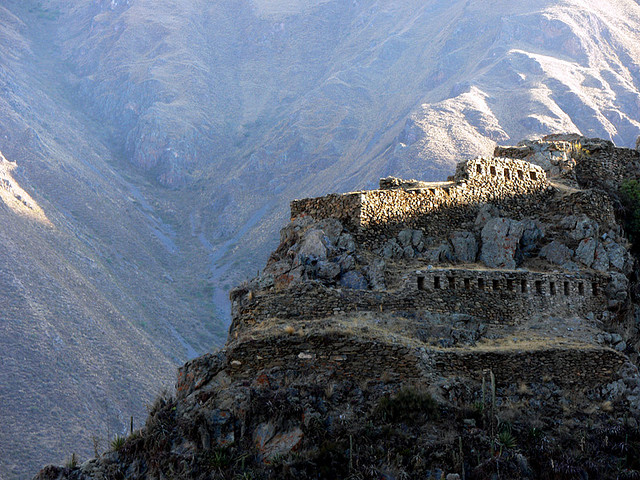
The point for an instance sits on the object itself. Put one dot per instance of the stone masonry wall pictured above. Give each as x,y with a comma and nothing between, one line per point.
586,366
345,207
514,185
492,295
512,174
594,161
367,359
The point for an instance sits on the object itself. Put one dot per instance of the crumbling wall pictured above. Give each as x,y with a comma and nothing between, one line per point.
502,296
346,355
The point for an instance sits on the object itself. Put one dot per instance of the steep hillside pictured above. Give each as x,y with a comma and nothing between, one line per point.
93,316
254,103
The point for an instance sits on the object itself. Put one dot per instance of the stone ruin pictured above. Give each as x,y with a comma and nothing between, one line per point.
506,294
516,264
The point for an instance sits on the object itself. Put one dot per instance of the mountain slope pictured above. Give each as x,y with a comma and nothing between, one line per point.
255,103
159,143
90,324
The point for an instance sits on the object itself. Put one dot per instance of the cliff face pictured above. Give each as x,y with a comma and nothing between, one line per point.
472,327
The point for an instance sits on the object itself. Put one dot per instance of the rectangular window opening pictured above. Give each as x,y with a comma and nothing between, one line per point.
492,169
533,175
452,283
552,288
436,283
523,286
566,288
594,288
481,283
520,174
510,284
507,174
539,287
467,284
478,168
496,285
421,283
581,288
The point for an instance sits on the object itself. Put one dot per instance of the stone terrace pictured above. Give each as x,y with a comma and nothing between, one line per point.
501,296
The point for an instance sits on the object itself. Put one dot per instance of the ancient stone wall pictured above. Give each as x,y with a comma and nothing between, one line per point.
513,175
367,359
345,207
585,366
438,211
514,185
593,161
502,296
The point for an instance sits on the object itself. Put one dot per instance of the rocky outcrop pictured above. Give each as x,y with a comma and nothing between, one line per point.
500,241
368,351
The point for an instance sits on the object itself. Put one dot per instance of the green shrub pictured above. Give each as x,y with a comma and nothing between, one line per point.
630,197
506,439
118,442
407,404
219,458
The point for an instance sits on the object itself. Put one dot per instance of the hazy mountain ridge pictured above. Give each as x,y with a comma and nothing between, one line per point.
239,107
85,307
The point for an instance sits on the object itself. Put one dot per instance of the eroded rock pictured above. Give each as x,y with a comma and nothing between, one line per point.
500,240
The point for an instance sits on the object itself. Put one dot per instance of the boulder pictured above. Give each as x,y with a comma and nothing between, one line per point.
408,252
332,228
327,270
375,274
585,227
347,243
586,251
416,237
312,247
405,237
271,443
617,255
347,263
392,249
500,241
442,253
556,253
531,234
600,259
354,280
465,246
617,290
